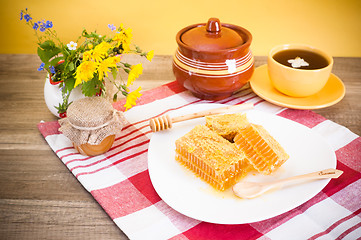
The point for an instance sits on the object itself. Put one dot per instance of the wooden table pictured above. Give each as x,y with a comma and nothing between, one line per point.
39,197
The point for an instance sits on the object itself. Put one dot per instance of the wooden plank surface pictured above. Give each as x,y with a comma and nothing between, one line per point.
39,197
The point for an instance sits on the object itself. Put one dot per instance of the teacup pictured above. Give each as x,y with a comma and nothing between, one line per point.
298,70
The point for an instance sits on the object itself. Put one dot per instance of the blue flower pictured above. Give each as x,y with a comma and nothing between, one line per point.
41,67
27,17
36,26
112,27
49,24
42,28
21,15
52,69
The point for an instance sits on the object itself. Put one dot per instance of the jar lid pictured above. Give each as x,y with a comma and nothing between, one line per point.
90,112
90,120
212,36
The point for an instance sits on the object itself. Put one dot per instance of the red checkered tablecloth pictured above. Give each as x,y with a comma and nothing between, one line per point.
119,179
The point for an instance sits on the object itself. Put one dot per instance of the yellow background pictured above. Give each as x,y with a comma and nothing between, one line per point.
332,25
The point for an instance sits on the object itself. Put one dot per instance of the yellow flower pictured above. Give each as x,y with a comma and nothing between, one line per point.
87,56
85,72
103,47
96,56
134,73
100,51
118,37
123,37
150,55
103,69
127,40
131,98
104,66
114,60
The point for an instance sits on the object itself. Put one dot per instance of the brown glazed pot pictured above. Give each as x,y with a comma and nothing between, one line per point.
213,60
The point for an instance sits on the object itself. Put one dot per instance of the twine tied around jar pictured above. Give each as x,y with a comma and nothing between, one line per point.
90,120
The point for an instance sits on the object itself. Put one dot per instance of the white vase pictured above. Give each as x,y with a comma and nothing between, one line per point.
53,96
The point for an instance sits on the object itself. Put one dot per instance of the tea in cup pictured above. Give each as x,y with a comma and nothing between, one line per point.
298,70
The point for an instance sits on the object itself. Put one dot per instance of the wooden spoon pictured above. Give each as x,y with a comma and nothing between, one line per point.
165,122
255,189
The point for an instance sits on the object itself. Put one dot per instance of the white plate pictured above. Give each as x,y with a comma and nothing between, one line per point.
191,196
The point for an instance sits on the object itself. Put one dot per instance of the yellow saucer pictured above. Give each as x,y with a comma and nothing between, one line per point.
331,94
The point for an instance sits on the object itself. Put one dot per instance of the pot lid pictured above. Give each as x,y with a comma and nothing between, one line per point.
211,37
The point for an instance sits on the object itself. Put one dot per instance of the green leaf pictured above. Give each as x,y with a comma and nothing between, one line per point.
115,97
48,44
62,107
54,62
43,55
91,87
69,83
124,87
65,52
85,33
127,65
91,35
71,66
114,73
47,50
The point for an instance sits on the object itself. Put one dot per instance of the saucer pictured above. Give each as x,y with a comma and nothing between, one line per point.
331,94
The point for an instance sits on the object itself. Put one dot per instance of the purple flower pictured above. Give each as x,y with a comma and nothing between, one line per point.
21,15
41,67
48,24
112,27
27,17
52,69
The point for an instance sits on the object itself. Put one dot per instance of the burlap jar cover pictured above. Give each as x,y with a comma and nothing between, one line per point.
90,120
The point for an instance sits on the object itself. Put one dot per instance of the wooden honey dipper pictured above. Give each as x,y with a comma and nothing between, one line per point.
165,122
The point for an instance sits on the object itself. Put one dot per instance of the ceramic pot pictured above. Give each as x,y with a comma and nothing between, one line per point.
53,95
213,60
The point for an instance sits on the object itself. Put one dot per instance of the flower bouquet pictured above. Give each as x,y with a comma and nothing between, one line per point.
87,61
